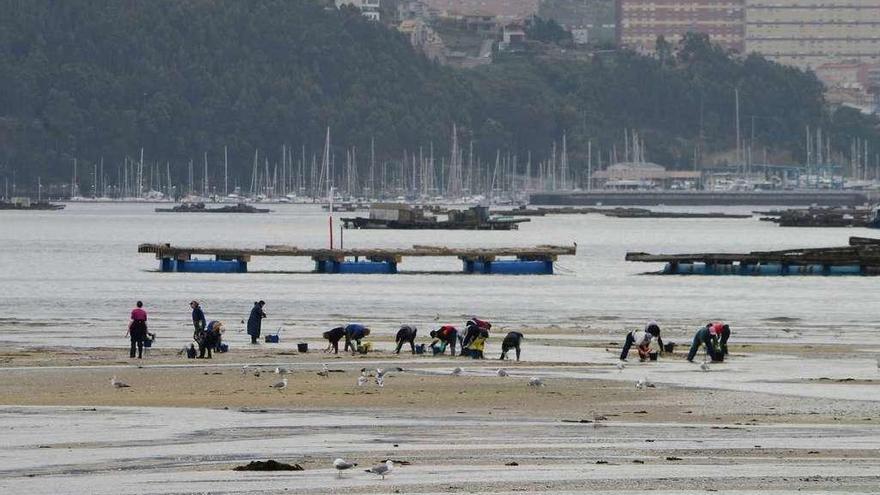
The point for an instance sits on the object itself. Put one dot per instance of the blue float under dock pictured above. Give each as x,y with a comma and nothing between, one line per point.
767,269
360,267
508,267
203,266
498,261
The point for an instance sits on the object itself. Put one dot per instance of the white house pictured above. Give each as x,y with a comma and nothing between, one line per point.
369,8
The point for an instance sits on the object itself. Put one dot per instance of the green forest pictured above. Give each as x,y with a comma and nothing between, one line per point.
101,79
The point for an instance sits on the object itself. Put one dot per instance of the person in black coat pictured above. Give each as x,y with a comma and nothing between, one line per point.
255,321
406,334
511,341
333,337
198,318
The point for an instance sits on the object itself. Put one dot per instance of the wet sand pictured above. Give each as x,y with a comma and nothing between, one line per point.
589,429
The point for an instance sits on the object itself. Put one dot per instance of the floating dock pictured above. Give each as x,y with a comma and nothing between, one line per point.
823,217
699,198
861,257
537,260
611,212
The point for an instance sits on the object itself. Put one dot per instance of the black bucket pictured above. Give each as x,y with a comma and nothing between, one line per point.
652,356
420,348
669,347
302,347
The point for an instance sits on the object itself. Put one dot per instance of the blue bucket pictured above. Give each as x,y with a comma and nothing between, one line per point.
272,339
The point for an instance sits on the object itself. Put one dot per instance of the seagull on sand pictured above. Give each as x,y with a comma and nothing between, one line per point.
643,382
362,380
381,469
704,366
380,381
116,383
281,371
325,372
244,369
343,465
536,382
621,365
457,371
501,372
280,385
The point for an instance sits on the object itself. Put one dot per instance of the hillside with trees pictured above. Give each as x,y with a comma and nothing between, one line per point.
181,78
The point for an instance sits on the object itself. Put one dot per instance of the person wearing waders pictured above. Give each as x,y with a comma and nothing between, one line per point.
642,341
354,333
706,336
511,341
198,317
333,337
406,334
444,336
137,330
255,321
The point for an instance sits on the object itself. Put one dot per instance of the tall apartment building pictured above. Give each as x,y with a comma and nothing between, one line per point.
369,8
809,33
640,22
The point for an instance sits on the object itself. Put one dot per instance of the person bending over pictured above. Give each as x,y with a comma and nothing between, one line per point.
443,337
333,337
642,340
354,333
706,336
406,334
512,340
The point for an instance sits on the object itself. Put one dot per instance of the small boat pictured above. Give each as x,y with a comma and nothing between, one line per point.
26,204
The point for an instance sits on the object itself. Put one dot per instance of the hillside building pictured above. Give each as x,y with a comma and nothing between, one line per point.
810,33
641,22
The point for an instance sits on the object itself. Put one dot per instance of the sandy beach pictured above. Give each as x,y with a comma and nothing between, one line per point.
588,429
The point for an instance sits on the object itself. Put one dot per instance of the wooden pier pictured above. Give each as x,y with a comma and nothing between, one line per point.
536,260
861,257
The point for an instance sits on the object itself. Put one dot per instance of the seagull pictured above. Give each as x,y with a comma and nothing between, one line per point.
380,381
642,383
535,382
457,371
437,317
257,373
381,469
116,383
324,371
704,366
621,365
501,372
244,369
343,465
281,371
281,385
362,380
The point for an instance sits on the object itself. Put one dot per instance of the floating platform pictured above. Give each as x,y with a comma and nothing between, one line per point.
612,212
537,260
823,217
699,198
861,257
200,208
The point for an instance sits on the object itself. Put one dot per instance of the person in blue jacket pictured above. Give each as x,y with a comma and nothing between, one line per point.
354,333
255,321
198,317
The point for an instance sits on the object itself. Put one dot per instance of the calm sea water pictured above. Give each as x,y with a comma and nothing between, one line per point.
72,276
